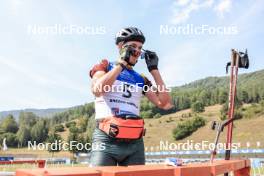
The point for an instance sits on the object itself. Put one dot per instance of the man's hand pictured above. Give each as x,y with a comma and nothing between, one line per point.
152,60
125,53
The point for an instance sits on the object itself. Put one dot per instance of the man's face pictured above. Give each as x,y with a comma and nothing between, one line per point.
137,46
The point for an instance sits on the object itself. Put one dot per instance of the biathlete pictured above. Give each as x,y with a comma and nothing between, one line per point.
118,89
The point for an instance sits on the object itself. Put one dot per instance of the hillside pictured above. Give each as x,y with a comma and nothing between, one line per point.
245,130
39,112
244,80
161,129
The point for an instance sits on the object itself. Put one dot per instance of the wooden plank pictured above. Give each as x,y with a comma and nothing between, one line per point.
239,167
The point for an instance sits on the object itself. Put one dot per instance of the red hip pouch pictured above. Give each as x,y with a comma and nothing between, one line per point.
123,128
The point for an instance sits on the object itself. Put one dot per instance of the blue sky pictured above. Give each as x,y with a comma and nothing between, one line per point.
51,70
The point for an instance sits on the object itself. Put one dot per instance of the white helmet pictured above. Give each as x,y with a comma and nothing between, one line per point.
130,34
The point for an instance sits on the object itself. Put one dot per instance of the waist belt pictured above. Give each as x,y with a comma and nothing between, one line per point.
122,127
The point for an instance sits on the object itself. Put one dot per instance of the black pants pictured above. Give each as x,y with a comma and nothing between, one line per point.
107,151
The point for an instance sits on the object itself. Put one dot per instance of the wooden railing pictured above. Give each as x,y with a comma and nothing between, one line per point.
238,167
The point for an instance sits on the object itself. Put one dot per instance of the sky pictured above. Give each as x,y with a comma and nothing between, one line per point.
48,47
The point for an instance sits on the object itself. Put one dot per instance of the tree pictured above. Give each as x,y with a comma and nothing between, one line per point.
89,109
23,135
205,97
83,140
244,96
1,130
83,121
197,107
90,127
39,131
9,124
54,140
223,97
27,118
73,139
184,102
11,140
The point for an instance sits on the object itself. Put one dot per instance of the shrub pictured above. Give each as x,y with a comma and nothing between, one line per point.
224,111
253,111
146,114
59,128
69,124
74,129
197,107
249,113
262,103
223,117
182,131
238,115
157,116
186,128
198,122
